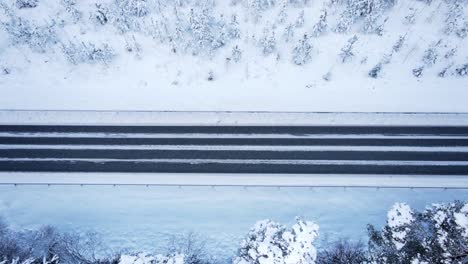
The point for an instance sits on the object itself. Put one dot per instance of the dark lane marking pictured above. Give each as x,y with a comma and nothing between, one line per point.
430,142
232,154
135,167
395,130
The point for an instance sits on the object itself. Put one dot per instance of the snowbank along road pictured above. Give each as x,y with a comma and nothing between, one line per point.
381,150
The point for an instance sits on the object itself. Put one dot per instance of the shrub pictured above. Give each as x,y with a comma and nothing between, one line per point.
88,53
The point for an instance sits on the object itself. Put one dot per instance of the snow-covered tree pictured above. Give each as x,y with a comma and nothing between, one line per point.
268,40
375,71
398,44
301,53
346,53
462,70
370,11
233,29
321,26
256,7
300,20
410,18
236,54
270,242
455,21
199,26
439,234
137,8
288,33
127,14
283,14
132,46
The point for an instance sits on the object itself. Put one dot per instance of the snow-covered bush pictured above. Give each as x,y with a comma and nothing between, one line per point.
49,246
24,32
271,242
100,14
327,76
431,55
462,70
445,71
70,7
52,260
418,72
78,53
439,234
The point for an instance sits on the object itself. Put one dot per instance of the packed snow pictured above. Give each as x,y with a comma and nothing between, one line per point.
283,55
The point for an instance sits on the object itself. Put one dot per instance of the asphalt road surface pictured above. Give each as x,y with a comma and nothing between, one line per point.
406,150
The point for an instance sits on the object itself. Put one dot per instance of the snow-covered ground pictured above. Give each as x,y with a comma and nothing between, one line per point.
145,218
235,55
214,118
242,180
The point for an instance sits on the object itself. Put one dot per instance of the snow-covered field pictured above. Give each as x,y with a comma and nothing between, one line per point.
235,55
145,218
